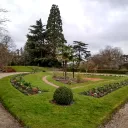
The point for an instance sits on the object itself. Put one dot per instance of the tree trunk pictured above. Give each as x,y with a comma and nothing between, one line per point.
65,69
73,69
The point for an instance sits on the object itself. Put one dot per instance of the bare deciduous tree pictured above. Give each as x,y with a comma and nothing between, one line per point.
108,58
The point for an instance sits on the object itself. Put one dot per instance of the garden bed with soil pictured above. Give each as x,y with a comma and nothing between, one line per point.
69,80
93,79
106,89
25,87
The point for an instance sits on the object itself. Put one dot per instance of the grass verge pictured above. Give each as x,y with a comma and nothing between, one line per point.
36,111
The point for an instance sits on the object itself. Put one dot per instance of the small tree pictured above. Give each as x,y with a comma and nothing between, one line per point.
80,51
64,56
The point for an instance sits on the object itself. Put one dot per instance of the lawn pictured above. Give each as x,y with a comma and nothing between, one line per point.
28,68
37,112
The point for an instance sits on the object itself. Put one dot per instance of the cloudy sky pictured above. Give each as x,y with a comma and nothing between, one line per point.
96,22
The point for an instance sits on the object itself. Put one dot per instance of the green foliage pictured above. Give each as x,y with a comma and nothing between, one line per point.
35,45
47,62
87,112
63,96
104,90
79,78
55,35
109,71
80,50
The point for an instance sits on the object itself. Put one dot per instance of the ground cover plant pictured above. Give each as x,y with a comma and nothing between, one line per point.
104,90
25,87
36,111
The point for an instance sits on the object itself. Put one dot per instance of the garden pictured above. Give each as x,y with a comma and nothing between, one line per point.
37,104
58,83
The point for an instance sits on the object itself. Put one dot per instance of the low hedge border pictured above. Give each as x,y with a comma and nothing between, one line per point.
100,71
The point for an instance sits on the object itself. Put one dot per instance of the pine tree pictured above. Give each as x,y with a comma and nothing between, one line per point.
55,35
80,50
35,44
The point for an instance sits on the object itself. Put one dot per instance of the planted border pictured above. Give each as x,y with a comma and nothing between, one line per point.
104,90
25,87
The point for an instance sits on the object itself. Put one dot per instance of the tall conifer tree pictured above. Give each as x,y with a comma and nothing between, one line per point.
55,35
35,44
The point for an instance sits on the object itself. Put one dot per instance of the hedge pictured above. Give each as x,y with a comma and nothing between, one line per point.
110,71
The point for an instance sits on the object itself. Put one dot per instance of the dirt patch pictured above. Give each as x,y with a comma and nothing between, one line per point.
93,79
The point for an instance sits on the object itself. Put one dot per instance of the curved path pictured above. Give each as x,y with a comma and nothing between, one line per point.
47,82
6,119
119,120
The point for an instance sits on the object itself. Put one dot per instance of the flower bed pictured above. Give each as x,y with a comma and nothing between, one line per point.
25,87
104,90
8,69
79,79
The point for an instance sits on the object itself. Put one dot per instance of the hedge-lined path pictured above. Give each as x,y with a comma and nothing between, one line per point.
6,119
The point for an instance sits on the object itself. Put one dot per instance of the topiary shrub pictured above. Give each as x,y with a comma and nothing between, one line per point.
63,96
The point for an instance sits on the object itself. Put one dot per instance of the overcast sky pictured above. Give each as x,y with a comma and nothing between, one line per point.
96,22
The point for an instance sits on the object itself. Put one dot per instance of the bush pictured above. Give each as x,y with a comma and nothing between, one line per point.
8,69
110,71
47,62
79,78
63,96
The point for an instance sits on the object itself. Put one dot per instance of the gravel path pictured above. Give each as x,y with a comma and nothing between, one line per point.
6,119
47,82
120,119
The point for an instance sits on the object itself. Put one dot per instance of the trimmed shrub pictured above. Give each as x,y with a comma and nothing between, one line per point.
109,71
63,96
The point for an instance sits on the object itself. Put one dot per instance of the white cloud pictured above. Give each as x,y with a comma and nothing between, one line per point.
96,22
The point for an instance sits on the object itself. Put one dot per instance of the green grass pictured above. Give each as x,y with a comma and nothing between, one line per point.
104,78
37,112
28,68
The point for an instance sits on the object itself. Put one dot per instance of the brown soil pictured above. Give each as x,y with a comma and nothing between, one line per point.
93,79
